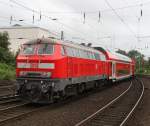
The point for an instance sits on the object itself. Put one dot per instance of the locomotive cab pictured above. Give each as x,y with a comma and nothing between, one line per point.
33,58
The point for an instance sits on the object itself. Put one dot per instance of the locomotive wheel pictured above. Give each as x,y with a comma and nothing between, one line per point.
50,95
71,90
34,94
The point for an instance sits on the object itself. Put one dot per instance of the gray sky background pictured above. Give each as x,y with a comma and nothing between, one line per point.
121,25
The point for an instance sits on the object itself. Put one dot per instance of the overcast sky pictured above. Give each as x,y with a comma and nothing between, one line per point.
121,24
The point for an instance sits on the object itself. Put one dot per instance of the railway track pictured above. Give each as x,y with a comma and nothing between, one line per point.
9,99
7,91
6,86
117,112
11,107
15,111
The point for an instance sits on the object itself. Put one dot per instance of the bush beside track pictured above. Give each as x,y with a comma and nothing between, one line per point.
7,58
7,72
146,76
145,71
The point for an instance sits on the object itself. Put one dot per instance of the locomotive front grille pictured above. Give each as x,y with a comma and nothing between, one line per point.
34,74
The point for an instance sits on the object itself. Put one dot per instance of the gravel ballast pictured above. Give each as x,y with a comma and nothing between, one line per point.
141,116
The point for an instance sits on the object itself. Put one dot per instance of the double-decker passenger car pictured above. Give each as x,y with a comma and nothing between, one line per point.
50,68
118,66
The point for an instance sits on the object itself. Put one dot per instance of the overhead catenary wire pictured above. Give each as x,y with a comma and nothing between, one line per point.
101,10
121,19
139,17
64,24
48,17
31,10
84,12
18,21
92,27
134,12
125,7
98,11
14,20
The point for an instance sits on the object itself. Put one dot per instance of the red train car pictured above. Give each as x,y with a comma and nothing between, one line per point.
118,66
49,68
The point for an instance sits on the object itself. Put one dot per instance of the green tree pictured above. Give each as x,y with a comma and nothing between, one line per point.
139,59
134,54
4,40
149,61
5,55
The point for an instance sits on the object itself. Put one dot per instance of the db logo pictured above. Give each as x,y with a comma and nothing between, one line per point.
34,65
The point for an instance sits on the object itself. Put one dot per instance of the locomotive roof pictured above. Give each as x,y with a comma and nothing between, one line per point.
114,55
67,43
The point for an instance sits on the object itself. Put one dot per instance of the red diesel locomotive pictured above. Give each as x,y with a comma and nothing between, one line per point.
49,68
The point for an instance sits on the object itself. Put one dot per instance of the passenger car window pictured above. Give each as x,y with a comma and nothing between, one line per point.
97,56
69,51
102,56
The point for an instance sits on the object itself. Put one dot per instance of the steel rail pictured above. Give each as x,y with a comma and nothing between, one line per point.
7,86
132,110
18,115
7,97
104,107
13,106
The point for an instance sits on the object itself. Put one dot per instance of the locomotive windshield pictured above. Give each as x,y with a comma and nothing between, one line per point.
28,49
45,48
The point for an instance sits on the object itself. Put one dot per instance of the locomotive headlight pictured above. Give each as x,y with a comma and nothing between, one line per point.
49,74
22,73
46,74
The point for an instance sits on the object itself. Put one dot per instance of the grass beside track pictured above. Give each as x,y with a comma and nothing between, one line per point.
144,71
7,72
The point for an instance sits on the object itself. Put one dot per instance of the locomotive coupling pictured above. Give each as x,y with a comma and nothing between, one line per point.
44,88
